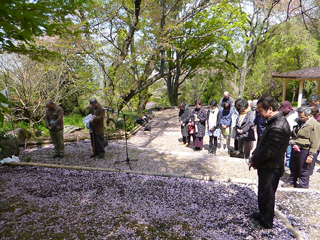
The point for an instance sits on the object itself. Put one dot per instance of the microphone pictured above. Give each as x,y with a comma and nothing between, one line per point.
108,109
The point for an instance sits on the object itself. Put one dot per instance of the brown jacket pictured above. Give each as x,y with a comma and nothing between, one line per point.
308,136
98,122
54,118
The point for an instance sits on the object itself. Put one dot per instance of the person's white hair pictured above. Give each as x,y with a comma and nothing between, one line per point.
226,93
304,109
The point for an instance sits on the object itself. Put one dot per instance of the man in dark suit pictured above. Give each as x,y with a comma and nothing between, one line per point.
268,159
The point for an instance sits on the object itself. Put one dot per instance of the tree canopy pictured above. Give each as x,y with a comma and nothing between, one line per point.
22,21
126,52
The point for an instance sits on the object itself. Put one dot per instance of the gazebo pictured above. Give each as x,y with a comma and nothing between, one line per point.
306,74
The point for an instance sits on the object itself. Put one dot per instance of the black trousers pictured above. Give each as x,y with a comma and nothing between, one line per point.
213,143
98,142
186,139
267,187
299,168
236,145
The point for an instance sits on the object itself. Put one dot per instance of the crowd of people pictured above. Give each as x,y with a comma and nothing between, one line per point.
278,136
223,121
267,136
240,120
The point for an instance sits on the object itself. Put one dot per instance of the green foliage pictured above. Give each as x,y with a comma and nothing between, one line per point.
292,48
41,126
10,125
130,123
74,119
214,89
162,100
199,50
3,108
21,21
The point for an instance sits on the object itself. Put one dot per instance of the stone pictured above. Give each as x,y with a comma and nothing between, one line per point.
9,147
70,129
21,134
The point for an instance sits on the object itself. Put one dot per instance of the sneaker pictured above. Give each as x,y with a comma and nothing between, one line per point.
287,185
55,156
187,144
182,143
92,155
61,156
101,155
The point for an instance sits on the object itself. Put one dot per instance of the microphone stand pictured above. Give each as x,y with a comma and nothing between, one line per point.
127,160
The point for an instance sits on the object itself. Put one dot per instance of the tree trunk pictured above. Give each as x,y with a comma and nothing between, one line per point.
243,74
173,81
143,100
172,90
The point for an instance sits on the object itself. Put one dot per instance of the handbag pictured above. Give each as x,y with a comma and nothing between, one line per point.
191,128
225,131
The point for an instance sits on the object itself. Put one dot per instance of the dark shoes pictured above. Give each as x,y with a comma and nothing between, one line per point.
61,156
55,156
257,226
101,155
255,216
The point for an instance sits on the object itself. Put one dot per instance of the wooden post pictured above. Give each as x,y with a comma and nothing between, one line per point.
300,93
284,91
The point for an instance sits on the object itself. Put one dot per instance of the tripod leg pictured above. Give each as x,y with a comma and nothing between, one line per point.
126,138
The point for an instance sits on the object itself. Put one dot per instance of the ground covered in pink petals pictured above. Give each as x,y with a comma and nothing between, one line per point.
41,203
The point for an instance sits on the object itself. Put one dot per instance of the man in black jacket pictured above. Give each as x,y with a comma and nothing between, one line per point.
268,159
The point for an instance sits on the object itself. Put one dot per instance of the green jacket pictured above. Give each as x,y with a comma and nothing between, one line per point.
308,136
54,118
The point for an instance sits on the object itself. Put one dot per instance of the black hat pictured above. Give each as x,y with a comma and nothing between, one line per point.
314,98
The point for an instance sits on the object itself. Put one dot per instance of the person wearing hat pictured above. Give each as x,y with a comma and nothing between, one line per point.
314,101
291,115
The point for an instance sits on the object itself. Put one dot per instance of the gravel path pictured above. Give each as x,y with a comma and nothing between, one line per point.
159,151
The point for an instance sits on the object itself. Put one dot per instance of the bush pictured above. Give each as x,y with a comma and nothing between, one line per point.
74,119
10,125
41,126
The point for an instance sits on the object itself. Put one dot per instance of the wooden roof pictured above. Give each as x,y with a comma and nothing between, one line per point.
302,74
